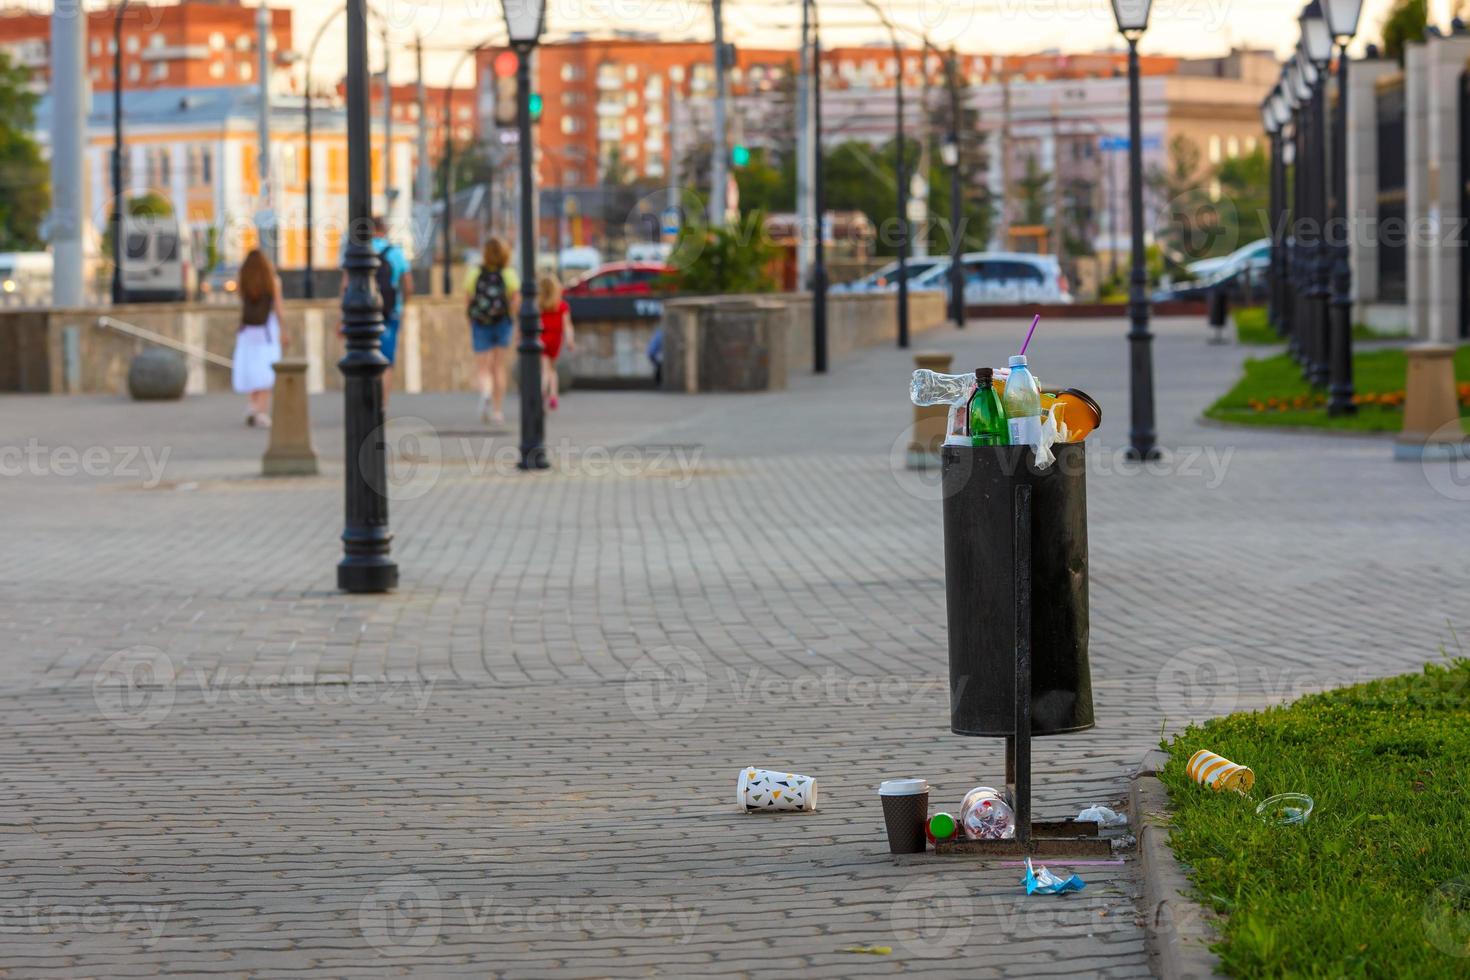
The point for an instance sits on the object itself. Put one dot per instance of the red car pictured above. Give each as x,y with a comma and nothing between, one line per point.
625,279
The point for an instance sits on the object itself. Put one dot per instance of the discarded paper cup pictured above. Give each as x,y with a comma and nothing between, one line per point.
1218,772
768,789
905,808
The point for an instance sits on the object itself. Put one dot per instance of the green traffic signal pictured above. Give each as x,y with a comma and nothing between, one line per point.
535,106
740,155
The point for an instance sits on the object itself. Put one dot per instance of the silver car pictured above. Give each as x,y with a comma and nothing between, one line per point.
1004,277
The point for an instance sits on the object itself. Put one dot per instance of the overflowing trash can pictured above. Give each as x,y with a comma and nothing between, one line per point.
981,563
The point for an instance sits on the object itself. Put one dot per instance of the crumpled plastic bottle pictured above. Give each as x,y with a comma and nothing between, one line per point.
985,815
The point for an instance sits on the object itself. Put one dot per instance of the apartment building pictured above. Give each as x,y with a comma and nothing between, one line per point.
198,148
195,44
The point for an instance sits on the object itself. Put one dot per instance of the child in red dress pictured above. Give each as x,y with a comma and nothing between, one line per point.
556,333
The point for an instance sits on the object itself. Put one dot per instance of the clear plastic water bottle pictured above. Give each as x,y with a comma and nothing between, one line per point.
954,390
985,815
1022,404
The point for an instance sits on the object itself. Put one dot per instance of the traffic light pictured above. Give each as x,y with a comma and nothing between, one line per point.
740,155
505,65
535,101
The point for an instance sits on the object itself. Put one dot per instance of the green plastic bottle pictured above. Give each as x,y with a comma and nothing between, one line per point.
987,417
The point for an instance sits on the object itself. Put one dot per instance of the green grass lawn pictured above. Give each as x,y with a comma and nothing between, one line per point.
1377,882
1253,329
1278,377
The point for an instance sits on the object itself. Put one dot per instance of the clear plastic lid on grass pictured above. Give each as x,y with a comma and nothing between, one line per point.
1286,809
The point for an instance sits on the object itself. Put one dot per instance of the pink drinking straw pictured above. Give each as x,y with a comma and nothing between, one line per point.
1034,321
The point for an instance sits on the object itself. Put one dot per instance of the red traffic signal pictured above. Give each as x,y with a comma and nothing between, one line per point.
505,64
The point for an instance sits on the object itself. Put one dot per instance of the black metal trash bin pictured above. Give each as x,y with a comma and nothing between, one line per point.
979,487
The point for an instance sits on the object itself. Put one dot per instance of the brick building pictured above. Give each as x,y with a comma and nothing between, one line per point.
196,44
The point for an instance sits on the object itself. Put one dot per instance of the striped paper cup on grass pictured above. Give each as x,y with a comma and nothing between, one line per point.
1218,772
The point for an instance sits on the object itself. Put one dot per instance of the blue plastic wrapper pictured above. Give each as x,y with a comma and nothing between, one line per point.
1043,881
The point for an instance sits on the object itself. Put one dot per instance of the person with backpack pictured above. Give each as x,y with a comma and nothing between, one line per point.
491,291
394,281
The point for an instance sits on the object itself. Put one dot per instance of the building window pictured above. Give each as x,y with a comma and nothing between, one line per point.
135,71
571,176
242,43
630,72
1250,144
1232,147
570,125
217,41
217,69
1214,149
130,44
631,125
112,45
676,74
246,72
571,72
96,47
160,71
156,41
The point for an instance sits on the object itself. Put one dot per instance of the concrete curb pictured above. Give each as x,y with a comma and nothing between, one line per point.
1177,930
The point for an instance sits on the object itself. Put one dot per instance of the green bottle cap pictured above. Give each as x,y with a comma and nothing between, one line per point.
942,826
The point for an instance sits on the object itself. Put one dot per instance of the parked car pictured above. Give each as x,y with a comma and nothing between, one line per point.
886,278
25,278
1205,268
1243,282
625,279
1004,277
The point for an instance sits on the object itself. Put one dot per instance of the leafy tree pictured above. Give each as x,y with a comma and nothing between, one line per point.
1245,183
1188,225
1404,23
1033,190
737,258
764,186
472,165
615,170
25,186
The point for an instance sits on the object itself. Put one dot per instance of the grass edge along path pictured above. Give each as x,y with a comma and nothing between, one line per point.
1377,882
1253,329
1271,392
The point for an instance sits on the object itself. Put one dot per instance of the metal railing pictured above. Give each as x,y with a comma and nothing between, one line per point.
143,333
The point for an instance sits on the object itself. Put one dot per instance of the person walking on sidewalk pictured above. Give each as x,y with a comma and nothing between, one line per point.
394,280
258,340
489,291
556,332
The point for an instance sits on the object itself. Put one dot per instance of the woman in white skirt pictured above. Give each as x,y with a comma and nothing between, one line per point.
258,342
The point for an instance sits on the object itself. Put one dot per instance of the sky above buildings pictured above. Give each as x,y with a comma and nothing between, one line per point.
1183,27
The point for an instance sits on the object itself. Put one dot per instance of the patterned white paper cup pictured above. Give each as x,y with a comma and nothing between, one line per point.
1218,772
769,789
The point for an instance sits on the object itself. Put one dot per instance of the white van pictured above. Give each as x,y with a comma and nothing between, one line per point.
25,278
157,261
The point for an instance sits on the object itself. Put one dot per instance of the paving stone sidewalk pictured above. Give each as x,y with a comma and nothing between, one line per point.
523,762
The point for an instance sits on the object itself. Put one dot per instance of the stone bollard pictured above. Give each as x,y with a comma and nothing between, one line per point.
157,373
1431,411
929,421
290,452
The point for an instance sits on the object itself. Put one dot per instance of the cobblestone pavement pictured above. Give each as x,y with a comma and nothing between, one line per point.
523,762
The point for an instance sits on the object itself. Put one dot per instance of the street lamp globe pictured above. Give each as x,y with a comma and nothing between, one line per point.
1132,16
1268,117
1316,39
1280,109
524,21
1342,18
1305,76
949,152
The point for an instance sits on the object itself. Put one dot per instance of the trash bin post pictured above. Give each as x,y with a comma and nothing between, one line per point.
1021,794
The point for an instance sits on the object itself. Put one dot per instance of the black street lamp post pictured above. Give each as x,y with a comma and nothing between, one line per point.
819,202
118,246
446,225
365,564
1316,49
1273,210
1132,17
900,175
524,21
950,154
1342,23
1296,157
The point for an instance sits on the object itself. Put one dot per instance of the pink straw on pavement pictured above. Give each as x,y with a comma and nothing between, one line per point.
1034,321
